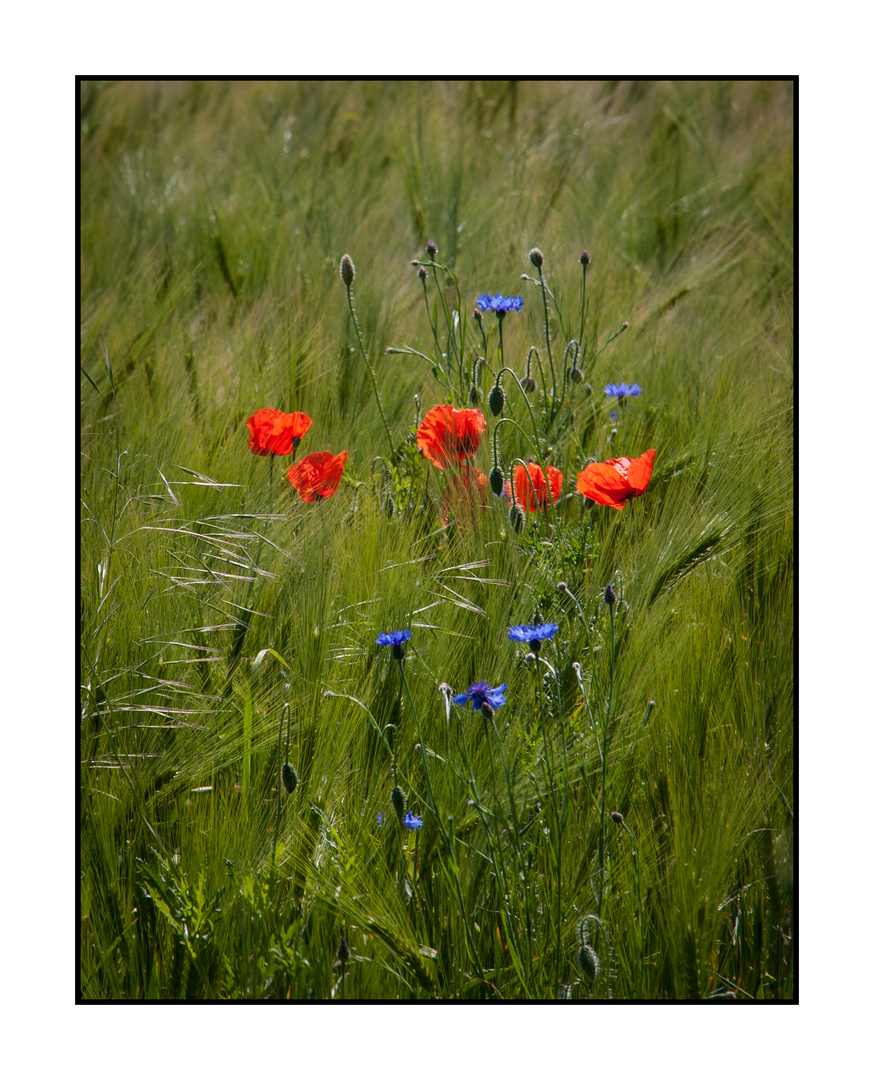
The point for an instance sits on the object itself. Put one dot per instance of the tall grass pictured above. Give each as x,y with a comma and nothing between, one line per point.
223,619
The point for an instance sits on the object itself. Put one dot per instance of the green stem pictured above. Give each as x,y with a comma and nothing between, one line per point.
546,327
369,368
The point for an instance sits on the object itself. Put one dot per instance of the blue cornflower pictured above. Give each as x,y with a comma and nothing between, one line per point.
396,639
483,697
622,390
410,821
500,305
533,635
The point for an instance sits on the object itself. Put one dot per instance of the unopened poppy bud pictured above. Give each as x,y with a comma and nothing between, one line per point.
584,258
609,596
344,952
536,257
423,273
517,517
474,396
431,248
576,375
399,803
497,399
289,777
496,480
347,270
588,962
528,384
617,817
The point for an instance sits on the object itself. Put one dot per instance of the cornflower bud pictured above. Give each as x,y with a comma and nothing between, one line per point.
423,273
431,248
617,817
609,596
585,259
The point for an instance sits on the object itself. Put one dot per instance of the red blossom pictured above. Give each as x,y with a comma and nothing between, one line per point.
448,435
275,432
614,482
540,495
467,492
316,476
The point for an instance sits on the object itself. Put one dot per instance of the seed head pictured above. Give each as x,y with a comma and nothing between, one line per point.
347,270
536,257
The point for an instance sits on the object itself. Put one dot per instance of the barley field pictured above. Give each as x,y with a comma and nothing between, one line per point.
466,671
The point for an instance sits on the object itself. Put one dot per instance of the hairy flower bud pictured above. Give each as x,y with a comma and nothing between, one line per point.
347,270
588,962
528,384
536,257
497,399
584,258
576,375
289,777
496,480
423,273
517,517
399,803
474,396
431,248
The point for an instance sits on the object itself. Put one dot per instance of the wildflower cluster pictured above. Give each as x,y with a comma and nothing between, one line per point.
274,433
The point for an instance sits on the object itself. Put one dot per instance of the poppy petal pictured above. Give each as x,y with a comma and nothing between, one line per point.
316,477
614,482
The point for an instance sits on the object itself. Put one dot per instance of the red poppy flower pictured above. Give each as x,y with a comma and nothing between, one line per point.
614,482
467,492
537,497
317,475
275,432
448,435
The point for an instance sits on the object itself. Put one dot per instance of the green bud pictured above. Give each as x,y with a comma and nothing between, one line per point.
497,399
588,962
289,777
517,517
347,270
399,803
496,480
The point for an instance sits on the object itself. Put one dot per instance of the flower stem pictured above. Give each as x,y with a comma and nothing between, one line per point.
369,368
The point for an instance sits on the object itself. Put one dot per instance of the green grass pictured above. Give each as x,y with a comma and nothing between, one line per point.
213,220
